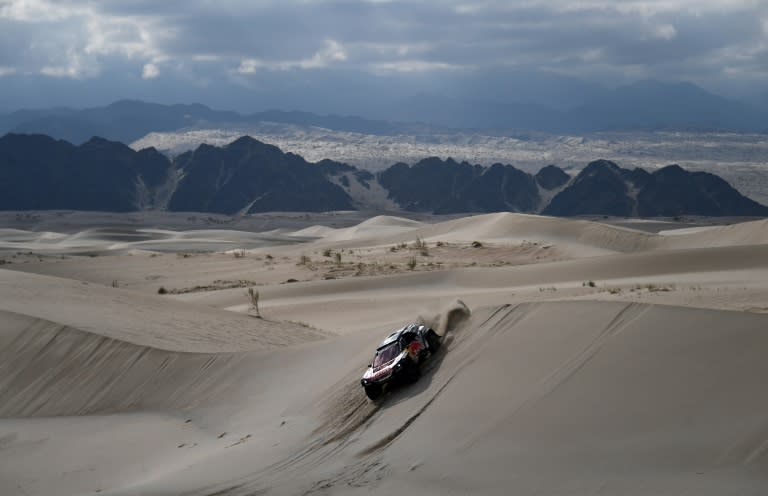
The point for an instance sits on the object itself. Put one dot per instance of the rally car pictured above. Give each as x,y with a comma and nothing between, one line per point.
399,358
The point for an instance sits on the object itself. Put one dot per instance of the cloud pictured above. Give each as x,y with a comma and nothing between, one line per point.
150,71
413,66
707,41
332,52
665,31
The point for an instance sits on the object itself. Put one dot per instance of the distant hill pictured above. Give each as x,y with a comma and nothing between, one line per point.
41,173
129,120
646,105
651,105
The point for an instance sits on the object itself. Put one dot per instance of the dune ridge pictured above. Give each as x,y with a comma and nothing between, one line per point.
141,319
47,369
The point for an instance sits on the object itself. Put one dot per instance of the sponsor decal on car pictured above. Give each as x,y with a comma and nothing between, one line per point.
413,349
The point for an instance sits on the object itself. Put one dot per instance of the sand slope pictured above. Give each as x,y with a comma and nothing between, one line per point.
587,398
47,369
582,397
145,320
541,390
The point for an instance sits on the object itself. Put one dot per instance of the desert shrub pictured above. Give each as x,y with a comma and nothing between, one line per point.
412,263
327,252
162,290
304,260
337,257
477,244
253,299
653,288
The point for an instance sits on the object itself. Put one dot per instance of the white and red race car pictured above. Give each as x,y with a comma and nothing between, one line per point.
399,358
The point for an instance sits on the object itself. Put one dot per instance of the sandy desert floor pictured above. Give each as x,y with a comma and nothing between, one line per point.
580,358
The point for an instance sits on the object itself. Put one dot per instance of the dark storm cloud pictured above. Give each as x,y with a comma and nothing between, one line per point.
202,41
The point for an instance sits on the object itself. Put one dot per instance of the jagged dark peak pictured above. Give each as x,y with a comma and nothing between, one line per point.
99,175
434,162
248,175
605,168
333,168
598,165
637,175
150,150
673,190
599,189
671,171
99,143
35,147
551,177
250,141
447,186
31,139
498,168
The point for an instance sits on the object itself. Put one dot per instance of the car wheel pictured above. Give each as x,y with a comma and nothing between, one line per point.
373,391
413,373
434,341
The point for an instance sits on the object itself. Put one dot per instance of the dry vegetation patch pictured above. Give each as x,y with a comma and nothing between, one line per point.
214,286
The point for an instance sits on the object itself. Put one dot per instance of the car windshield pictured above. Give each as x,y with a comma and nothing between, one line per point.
386,354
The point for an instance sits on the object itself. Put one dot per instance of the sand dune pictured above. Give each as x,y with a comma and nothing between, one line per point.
140,319
382,225
545,388
116,241
52,370
578,238
593,397
745,233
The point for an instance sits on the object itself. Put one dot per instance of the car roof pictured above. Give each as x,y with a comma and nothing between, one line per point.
396,335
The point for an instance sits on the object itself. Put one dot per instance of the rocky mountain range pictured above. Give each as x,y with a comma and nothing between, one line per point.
644,105
38,172
129,120
604,188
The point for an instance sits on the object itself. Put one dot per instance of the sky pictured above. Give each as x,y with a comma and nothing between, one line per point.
321,54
